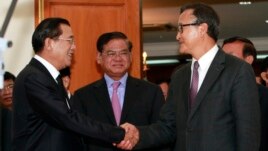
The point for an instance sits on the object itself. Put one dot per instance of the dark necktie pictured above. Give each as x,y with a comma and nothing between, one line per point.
63,90
194,84
115,103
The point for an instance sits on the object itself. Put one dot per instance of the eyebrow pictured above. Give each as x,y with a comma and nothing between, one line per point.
119,50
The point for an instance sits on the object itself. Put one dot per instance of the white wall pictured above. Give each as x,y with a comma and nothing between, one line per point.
19,31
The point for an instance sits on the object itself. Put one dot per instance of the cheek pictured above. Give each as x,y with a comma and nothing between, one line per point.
191,39
192,35
105,63
127,62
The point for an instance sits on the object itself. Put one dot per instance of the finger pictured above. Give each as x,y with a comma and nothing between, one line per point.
126,145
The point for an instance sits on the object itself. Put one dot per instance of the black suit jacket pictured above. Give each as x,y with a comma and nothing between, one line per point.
142,104
226,114
5,129
42,120
263,93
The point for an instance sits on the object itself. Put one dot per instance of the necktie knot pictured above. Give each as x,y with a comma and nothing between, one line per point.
116,85
196,65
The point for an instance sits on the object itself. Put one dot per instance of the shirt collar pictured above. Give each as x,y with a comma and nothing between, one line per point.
110,81
207,58
51,69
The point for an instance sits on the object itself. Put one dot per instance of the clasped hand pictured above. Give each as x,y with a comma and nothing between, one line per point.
131,137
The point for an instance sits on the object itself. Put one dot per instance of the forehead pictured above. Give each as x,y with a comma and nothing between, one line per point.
234,46
66,30
9,81
116,44
187,15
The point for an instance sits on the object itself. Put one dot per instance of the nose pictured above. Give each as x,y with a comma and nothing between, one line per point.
73,46
178,36
117,56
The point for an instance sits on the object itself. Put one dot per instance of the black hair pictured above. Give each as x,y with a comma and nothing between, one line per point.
48,28
248,48
205,14
106,37
9,76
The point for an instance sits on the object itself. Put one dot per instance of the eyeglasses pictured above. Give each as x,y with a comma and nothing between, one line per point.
180,26
8,87
70,40
113,54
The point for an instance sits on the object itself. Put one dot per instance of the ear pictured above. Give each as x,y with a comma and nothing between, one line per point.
203,28
98,58
49,44
130,57
249,59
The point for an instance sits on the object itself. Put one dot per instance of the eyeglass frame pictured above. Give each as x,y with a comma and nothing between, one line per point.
112,54
9,86
70,40
180,26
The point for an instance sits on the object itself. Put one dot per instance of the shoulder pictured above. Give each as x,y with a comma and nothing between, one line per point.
32,73
141,82
181,71
91,86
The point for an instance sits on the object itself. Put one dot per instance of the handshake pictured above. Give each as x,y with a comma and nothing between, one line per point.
131,137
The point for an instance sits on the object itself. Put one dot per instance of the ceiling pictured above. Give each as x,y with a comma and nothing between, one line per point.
160,19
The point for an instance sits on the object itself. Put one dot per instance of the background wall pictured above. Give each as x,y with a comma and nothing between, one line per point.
19,31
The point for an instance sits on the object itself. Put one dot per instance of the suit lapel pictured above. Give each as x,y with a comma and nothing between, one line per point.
101,92
38,65
186,86
212,75
131,96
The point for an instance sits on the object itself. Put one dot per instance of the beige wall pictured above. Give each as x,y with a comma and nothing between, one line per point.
19,31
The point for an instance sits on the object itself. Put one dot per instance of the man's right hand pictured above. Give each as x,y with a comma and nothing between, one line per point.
131,137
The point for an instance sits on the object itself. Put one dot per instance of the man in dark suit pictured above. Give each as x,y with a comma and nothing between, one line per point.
140,101
43,118
210,107
244,49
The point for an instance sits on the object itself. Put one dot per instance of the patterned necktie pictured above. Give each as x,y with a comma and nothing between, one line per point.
194,84
115,102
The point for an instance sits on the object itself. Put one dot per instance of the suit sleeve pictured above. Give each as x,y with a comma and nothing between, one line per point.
158,101
246,109
164,130
45,99
76,103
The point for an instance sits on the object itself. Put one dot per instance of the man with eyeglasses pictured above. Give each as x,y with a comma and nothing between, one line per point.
139,101
6,111
212,103
43,119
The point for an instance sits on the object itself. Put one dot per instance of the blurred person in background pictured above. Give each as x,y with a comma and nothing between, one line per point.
244,49
66,77
6,111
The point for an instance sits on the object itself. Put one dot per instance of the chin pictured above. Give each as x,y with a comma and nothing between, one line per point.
182,51
68,64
